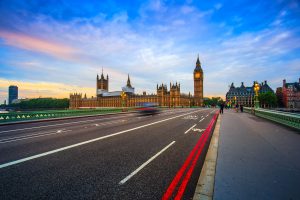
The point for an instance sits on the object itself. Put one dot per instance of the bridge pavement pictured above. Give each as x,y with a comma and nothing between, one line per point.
257,159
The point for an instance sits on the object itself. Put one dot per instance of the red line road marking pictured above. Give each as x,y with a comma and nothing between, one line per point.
189,173
200,144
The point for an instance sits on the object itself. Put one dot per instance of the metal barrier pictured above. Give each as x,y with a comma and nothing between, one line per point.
24,116
288,119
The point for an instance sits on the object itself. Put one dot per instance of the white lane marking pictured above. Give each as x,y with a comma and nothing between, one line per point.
24,136
189,129
35,136
144,164
86,142
92,120
206,115
201,120
47,133
96,124
202,116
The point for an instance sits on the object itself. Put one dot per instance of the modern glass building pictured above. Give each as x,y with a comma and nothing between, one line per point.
12,93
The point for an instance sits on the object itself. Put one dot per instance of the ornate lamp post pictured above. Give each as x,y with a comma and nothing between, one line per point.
234,100
256,89
173,102
123,97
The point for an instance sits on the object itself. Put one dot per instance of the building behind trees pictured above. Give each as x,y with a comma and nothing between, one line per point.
12,93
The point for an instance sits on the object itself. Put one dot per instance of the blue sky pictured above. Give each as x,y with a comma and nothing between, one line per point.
53,48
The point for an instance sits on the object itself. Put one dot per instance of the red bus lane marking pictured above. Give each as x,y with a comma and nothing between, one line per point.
200,144
191,169
179,174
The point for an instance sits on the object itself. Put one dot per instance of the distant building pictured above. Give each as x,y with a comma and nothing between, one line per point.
291,94
168,97
12,93
279,96
245,95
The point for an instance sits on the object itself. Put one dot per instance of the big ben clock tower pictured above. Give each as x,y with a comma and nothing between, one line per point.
198,84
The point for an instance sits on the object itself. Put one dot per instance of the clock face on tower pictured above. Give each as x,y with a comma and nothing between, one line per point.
197,75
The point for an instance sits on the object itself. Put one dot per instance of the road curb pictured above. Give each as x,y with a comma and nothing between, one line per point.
205,185
61,118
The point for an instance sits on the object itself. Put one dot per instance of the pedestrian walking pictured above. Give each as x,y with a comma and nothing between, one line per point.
242,108
221,108
237,107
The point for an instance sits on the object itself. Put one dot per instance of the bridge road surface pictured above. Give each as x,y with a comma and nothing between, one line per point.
132,156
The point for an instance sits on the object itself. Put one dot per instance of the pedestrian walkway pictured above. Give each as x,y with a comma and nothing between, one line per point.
257,159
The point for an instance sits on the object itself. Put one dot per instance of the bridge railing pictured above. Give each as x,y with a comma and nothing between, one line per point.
35,115
288,119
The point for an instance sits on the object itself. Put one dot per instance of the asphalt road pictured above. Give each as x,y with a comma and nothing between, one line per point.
122,156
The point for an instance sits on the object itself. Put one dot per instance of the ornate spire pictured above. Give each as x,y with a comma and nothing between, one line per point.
198,64
128,82
102,76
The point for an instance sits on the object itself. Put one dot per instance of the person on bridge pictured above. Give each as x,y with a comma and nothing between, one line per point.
221,108
237,107
242,108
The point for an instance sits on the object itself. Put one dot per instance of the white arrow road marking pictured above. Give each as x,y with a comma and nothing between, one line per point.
198,130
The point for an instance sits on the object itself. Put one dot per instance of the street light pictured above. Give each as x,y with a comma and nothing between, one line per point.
256,89
173,102
123,97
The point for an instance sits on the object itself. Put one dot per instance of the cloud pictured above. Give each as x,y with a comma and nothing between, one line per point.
29,89
218,6
37,45
158,44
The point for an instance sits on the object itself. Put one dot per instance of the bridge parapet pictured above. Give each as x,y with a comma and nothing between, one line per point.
288,119
49,114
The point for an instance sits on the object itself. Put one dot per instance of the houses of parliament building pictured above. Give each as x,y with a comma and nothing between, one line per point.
163,97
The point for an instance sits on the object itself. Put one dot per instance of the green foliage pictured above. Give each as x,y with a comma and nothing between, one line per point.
42,103
213,101
267,99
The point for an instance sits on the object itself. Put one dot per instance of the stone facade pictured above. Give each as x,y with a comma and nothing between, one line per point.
163,97
198,84
291,94
245,95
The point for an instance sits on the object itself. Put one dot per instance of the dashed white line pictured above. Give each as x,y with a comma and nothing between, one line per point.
189,129
144,164
201,120
34,136
87,142
29,128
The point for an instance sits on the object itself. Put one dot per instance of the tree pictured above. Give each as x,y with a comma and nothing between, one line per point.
214,101
267,99
42,103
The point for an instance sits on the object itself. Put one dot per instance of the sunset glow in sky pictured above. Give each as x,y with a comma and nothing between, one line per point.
52,48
